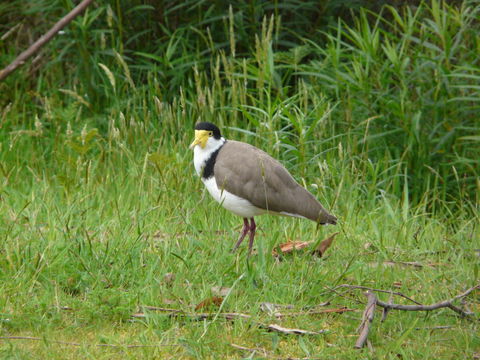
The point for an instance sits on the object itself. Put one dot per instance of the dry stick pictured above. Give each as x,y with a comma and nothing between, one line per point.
368,314
439,327
367,319
442,304
20,60
78,344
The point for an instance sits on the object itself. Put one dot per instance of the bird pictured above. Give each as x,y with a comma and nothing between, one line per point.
248,182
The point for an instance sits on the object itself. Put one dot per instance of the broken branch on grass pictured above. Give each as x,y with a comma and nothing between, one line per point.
439,305
32,338
367,319
368,314
20,60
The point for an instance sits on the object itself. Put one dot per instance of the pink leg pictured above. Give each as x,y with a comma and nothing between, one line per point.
253,226
245,230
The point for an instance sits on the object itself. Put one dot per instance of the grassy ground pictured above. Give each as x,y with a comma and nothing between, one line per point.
101,213
88,239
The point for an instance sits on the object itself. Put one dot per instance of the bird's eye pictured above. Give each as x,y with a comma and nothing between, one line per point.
210,133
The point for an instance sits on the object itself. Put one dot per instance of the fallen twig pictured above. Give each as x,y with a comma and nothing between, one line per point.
32,338
442,304
367,319
20,60
290,331
233,316
414,264
372,301
439,327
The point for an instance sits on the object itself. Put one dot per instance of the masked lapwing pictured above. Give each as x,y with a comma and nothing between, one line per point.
249,182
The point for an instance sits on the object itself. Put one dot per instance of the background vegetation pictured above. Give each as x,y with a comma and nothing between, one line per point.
373,107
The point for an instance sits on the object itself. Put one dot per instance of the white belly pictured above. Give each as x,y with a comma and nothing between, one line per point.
231,202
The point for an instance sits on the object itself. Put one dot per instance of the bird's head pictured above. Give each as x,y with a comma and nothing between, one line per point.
205,133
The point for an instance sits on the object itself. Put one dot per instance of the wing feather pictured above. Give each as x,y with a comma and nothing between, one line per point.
252,174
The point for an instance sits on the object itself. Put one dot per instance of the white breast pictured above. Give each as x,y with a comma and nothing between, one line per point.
231,202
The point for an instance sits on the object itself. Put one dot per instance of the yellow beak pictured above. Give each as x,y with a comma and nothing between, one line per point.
201,138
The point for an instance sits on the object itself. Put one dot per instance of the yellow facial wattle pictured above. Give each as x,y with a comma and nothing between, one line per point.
201,138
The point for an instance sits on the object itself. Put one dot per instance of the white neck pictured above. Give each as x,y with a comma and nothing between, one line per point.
200,156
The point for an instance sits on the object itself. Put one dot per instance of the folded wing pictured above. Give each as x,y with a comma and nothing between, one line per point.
252,174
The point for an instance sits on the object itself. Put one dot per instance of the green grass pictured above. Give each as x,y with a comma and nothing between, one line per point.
97,232
98,198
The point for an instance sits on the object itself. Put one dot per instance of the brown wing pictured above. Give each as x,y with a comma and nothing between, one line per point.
250,173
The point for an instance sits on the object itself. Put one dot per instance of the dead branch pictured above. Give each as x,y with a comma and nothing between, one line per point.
439,305
367,319
32,338
372,301
20,60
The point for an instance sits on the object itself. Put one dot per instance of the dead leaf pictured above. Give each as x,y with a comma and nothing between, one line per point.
220,290
214,301
284,330
324,245
291,246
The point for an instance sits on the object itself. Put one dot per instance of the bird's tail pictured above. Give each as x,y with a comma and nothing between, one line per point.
326,218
